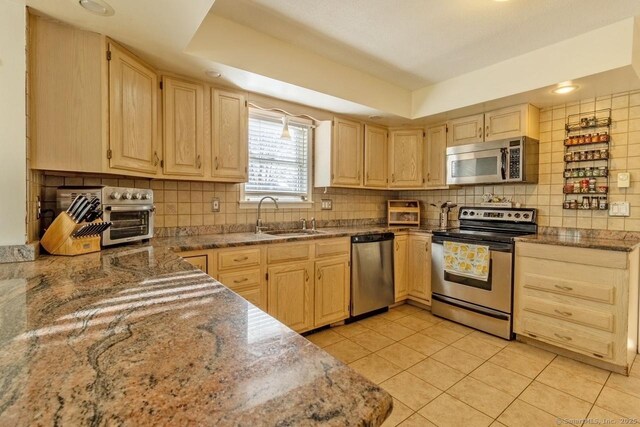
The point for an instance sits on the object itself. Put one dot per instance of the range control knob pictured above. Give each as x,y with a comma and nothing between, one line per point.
136,196
146,196
472,213
465,213
517,215
115,195
126,195
525,216
509,215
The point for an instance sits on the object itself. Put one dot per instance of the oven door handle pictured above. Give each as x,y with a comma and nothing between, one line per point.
503,161
493,246
130,208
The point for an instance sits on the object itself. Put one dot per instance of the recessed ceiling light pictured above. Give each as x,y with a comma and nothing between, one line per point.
561,90
97,7
213,73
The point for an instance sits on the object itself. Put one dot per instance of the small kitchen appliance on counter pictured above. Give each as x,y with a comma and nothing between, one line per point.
129,210
472,267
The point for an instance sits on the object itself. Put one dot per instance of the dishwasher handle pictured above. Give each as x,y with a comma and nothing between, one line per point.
370,238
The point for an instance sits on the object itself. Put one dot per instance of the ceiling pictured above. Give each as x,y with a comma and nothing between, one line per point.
415,43
399,59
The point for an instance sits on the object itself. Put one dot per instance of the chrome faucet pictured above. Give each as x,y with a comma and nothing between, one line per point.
304,223
259,226
313,223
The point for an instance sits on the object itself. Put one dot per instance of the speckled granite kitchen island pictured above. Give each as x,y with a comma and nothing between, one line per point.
136,336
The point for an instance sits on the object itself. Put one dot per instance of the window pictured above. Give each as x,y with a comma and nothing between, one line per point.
278,167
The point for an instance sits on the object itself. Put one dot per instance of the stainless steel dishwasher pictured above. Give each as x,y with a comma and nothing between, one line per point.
371,273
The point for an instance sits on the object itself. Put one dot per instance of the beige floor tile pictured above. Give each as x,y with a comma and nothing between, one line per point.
457,359
412,322
521,414
428,317
372,340
580,369
447,411
393,330
325,338
531,351
417,420
566,381
410,390
423,344
372,321
375,368
480,396
409,309
476,346
442,333
499,342
456,327
608,418
629,385
497,424
555,402
393,315
436,373
619,402
399,413
350,330
518,363
635,368
401,355
347,351
501,378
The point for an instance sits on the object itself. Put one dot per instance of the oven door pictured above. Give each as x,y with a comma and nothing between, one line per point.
477,167
129,223
495,293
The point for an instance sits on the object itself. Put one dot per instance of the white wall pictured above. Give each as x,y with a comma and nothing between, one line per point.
13,188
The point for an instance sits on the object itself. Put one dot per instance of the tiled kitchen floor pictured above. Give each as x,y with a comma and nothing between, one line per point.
441,373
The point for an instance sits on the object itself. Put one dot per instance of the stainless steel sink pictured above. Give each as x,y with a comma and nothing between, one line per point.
293,233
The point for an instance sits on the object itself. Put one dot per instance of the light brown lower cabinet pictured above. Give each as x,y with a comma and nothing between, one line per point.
291,294
579,300
419,268
332,290
400,265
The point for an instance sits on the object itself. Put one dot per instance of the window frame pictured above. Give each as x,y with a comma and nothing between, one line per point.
289,202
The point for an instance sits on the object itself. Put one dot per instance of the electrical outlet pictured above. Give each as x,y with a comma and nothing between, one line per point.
619,209
327,204
215,205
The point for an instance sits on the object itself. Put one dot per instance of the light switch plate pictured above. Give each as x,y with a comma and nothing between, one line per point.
215,205
624,179
326,205
619,209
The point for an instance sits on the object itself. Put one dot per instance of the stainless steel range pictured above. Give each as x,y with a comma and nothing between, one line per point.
482,301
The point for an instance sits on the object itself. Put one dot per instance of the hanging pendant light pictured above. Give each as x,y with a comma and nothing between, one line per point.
285,129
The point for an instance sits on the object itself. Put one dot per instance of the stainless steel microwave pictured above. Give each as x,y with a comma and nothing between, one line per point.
493,162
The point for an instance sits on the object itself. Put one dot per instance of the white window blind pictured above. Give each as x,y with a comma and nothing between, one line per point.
277,167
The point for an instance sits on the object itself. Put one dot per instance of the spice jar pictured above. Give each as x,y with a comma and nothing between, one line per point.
595,137
604,137
582,155
604,153
590,155
567,173
587,139
602,203
574,173
581,139
596,155
603,188
594,203
580,173
604,171
588,172
586,202
592,185
568,187
573,204
584,122
566,204
592,121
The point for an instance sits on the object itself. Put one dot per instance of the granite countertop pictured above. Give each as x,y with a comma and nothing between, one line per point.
583,240
227,240
137,336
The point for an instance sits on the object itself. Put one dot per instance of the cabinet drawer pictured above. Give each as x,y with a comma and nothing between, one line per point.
235,259
564,337
284,253
570,313
601,292
235,280
332,247
199,261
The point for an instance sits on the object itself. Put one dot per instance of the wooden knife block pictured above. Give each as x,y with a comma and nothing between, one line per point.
57,239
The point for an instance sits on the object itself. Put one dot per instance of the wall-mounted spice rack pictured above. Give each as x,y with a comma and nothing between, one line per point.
586,160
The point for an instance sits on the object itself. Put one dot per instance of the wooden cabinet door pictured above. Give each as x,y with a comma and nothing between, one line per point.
346,153
230,144
400,267
332,290
405,158
290,294
420,267
132,113
435,156
466,130
183,121
375,157
198,261
505,123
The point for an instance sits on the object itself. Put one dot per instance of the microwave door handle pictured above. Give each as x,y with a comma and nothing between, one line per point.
130,208
503,165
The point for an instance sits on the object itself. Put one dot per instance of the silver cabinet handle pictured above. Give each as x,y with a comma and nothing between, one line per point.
198,162
487,134
241,280
319,274
564,288
216,162
244,258
564,313
156,159
479,131
306,275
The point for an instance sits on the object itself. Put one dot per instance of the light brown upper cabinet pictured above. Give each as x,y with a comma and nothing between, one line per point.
434,157
133,113
466,130
338,154
230,145
183,122
405,158
375,156
510,122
